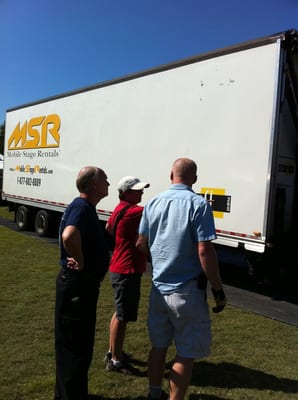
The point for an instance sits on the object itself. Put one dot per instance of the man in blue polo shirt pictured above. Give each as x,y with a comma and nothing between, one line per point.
176,229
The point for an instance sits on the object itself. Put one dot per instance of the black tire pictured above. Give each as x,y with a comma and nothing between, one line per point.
23,218
42,223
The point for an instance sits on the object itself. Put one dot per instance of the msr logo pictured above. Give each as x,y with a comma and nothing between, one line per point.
37,133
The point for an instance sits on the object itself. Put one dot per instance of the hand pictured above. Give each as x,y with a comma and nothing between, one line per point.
73,264
220,300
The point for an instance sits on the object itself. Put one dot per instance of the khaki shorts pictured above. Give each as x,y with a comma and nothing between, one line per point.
183,318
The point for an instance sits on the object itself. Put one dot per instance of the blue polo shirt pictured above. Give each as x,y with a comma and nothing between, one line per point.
174,222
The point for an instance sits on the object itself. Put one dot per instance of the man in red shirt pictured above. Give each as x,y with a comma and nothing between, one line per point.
126,268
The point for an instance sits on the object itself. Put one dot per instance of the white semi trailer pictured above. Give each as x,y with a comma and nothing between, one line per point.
234,111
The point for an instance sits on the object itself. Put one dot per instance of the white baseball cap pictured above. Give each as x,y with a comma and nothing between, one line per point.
131,183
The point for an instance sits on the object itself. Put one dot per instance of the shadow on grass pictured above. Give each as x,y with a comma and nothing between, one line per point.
198,397
98,397
230,375
137,362
227,376
206,397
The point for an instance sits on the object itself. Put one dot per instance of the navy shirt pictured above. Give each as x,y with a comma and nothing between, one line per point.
82,214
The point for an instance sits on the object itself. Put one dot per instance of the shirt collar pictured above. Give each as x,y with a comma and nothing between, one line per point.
180,186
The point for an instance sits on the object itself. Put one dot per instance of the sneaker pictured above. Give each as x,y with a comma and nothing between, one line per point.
108,356
122,367
163,396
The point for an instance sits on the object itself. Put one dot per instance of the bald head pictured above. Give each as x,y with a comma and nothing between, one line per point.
92,183
86,178
184,170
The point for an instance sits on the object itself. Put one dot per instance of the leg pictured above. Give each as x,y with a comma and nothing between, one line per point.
117,334
180,376
156,369
192,335
161,335
126,298
89,323
71,370
111,327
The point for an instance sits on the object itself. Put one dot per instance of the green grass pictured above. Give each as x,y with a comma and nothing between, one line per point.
252,357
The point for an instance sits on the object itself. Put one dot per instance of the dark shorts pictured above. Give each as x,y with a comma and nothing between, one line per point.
127,291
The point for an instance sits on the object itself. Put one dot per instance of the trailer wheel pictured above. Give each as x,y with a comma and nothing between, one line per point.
42,223
23,218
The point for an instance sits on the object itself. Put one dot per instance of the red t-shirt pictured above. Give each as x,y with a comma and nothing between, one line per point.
126,258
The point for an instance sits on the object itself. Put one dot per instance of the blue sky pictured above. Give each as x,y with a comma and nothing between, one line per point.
48,47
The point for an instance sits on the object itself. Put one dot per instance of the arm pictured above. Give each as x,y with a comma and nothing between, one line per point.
71,238
109,228
209,262
142,245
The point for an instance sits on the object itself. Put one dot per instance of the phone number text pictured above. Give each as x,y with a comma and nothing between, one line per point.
27,181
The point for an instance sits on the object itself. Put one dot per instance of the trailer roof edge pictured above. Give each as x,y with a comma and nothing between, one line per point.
284,35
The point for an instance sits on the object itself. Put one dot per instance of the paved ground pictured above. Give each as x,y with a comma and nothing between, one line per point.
267,306
280,305
277,300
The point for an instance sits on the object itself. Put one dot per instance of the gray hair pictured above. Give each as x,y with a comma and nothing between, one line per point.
86,177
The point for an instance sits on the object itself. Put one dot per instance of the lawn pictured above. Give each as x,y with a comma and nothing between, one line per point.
252,357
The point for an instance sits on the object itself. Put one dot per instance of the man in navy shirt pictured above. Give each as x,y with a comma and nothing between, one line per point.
84,262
